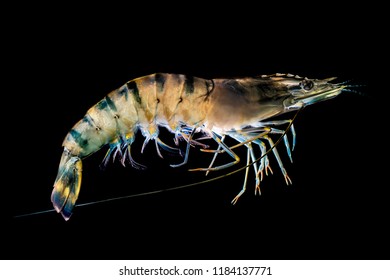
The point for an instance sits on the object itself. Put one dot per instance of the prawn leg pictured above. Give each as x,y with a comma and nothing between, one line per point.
241,143
215,154
234,201
264,162
224,148
165,146
292,129
189,140
286,143
280,163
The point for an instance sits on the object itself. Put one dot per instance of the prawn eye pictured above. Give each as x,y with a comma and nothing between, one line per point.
306,84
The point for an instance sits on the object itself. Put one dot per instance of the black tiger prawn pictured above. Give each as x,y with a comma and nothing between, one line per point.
239,108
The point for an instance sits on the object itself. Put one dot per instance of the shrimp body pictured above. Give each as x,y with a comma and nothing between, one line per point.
238,108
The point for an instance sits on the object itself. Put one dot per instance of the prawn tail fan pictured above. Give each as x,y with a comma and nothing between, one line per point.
67,184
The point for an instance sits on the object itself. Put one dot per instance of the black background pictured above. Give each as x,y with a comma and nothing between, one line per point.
337,206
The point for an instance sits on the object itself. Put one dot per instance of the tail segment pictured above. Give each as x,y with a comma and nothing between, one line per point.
67,184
